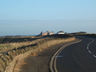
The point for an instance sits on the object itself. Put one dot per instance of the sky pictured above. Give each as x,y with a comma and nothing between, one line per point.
18,17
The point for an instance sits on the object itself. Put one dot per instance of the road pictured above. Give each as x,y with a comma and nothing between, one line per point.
78,57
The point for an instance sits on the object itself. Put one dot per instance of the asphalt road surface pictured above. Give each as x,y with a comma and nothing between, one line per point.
79,57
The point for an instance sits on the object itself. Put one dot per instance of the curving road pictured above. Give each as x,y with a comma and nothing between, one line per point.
78,57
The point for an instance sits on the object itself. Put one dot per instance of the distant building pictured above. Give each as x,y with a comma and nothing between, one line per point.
50,33
60,32
46,33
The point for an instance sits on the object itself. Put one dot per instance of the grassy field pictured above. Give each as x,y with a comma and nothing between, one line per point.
10,47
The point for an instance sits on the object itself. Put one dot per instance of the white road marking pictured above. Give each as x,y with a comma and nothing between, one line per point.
90,52
88,46
54,58
55,68
94,56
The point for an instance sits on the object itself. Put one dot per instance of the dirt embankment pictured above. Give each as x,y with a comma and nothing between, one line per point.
37,60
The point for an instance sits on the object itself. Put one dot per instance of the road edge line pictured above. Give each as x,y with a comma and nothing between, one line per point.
53,58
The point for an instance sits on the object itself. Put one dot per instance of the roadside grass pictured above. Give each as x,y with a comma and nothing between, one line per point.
9,46
9,51
34,51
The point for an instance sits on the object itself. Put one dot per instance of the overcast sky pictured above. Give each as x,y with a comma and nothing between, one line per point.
33,16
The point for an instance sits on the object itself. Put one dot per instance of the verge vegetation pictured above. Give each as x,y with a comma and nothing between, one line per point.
10,51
